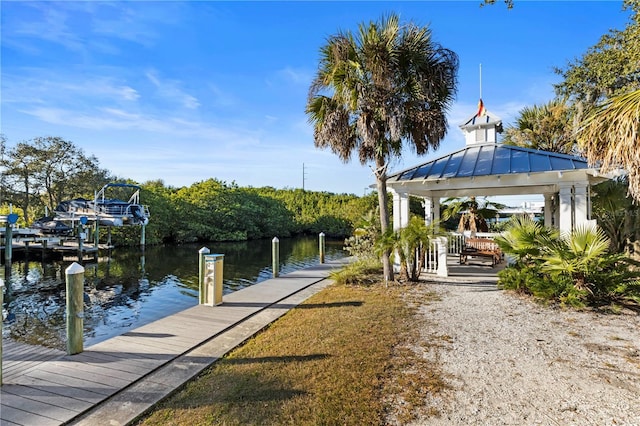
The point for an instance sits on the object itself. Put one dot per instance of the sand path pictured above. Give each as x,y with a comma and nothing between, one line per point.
512,362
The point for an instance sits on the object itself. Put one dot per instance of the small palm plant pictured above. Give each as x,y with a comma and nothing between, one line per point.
601,276
579,254
525,239
574,268
408,244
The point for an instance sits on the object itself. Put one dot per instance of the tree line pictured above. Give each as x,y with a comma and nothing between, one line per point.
36,175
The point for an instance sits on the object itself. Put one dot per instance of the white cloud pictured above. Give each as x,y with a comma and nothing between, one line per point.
50,25
170,90
40,86
296,76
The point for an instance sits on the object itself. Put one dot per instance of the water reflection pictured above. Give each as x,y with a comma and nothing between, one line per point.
128,288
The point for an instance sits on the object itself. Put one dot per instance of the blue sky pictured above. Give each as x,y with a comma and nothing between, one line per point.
186,91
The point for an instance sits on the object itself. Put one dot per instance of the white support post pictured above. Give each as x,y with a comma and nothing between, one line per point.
548,210
275,256
431,210
396,211
566,209
428,211
581,204
404,208
556,212
400,210
435,209
443,270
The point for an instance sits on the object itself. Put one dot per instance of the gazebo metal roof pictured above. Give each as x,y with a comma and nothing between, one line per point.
490,159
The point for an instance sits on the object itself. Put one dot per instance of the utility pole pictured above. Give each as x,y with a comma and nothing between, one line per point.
303,176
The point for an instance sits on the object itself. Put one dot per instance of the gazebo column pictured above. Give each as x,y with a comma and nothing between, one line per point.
581,204
566,209
556,211
400,210
548,209
431,210
435,209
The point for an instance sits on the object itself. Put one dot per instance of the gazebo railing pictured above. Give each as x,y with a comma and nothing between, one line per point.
455,243
431,257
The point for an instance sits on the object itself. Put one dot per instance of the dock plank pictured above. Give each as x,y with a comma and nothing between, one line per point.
115,364
83,394
15,416
62,379
51,398
53,411
111,378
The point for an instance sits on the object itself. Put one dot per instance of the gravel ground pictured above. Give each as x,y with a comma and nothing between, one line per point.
509,361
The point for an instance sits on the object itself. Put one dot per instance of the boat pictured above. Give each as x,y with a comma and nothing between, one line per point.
106,211
49,225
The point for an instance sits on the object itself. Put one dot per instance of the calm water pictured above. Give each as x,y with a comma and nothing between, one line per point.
130,288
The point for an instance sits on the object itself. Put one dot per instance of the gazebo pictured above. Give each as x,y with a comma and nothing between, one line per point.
485,167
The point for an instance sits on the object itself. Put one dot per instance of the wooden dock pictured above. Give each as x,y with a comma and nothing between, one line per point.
115,381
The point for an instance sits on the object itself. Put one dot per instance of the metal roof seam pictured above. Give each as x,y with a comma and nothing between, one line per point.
493,159
475,164
461,162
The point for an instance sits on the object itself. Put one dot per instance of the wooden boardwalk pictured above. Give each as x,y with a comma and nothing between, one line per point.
115,381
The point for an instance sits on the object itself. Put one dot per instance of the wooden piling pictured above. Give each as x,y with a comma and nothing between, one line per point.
75,308
275,256
321,247
201,273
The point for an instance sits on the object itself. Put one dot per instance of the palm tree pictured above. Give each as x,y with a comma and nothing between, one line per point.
473,215
374,90
611,136
547,127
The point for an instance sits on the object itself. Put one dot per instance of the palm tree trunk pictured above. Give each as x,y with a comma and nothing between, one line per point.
381,183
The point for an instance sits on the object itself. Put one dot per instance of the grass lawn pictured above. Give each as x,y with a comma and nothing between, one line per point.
344,357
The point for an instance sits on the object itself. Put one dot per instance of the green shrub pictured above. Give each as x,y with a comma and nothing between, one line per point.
362,271
574,269
518,279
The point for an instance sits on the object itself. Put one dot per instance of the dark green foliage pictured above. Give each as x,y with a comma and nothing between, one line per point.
531,281
575,269
616,213
315,212
212,210
518,278
362,243
45,171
